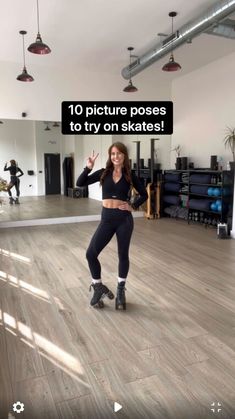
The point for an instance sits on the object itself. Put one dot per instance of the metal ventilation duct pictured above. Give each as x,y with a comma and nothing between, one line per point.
226,29
208,22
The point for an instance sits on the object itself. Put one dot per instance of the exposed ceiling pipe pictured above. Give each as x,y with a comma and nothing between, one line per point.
208,20
226,29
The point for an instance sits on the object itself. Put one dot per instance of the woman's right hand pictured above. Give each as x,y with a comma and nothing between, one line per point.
91,160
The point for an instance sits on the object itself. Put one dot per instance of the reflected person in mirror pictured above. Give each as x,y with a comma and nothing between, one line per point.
15,173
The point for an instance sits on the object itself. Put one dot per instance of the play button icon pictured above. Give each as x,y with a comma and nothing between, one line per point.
117,407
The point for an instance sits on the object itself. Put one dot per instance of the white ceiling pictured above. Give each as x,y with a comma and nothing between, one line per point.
94,34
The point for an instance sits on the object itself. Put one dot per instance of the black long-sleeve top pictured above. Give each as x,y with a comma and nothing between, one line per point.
111,190
13,170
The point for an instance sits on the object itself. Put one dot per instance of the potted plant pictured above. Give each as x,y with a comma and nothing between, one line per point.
177,150
229,142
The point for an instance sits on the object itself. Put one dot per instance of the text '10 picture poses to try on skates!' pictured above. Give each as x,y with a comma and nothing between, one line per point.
117,182
15,173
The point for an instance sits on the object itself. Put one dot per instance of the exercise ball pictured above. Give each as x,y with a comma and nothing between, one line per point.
210,191
213,206
216,191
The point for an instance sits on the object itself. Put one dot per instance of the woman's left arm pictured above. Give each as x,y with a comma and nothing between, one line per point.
20,171
140,188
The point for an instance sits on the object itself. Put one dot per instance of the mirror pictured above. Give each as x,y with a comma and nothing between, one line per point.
30,143
35,143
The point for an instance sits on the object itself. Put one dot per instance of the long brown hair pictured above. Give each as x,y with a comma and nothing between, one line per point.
126,164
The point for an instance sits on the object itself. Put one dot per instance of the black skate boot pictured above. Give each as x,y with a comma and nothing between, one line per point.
100,291
11,201
120,301
17,201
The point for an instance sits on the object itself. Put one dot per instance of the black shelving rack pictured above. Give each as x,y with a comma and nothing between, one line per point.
200,195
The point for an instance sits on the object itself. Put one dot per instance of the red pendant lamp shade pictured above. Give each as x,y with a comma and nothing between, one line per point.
172,65
24,76
38,47
130,88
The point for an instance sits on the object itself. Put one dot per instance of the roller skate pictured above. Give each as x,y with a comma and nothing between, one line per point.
100,291
11,201
17,201
120,301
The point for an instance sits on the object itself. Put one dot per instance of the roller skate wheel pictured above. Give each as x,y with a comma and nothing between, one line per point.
100,304
120,306
110,295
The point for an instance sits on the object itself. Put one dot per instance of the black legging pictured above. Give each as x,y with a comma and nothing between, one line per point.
113,221
15,181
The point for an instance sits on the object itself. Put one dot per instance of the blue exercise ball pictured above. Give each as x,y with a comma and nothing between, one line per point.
216,191
219,208
218,202
213,206
210,191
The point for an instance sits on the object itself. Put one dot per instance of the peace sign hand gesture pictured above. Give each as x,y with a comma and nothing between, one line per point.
91,160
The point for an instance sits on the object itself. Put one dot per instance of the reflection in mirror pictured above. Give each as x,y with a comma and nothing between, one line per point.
43,154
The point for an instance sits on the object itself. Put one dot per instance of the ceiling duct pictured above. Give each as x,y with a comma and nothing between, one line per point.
170,39
226,29
208,21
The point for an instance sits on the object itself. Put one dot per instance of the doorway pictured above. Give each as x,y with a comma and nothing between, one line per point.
52,174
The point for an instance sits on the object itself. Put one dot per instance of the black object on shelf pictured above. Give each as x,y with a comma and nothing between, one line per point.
184,163
214,163
178,163
30,172
79,192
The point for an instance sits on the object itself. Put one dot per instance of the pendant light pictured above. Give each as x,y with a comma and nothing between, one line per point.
47,127
172,65
24,76
38,47
130,88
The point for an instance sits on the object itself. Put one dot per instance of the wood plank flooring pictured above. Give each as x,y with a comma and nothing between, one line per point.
170,355
50,206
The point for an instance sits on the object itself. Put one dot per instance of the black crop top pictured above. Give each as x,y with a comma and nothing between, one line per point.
111,190
13,170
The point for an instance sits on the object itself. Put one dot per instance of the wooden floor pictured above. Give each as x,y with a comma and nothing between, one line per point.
170,355
50,206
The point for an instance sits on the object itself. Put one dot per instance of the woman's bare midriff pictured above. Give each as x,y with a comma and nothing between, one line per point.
112,203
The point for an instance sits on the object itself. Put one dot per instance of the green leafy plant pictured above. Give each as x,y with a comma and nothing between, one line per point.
177,150
229,140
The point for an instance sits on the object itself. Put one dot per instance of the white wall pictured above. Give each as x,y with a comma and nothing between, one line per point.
203,104
42,99
203,108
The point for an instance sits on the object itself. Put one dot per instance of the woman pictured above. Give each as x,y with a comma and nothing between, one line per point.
15,181
116,218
